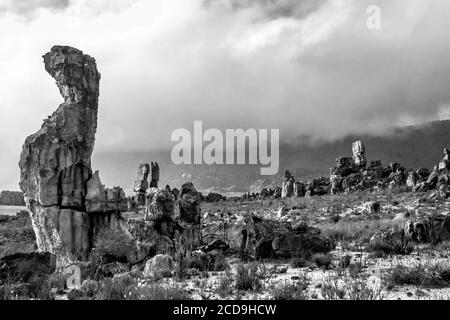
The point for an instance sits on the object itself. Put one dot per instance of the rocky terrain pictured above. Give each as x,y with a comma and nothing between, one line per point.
366,231
305,160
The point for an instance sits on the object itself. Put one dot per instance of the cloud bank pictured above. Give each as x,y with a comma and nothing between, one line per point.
305,67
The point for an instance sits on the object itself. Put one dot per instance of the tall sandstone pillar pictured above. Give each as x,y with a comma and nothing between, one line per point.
66,202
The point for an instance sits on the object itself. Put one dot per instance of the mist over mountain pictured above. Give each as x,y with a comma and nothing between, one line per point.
412,146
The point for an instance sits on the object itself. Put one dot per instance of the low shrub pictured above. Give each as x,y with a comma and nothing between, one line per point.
323,261
291,290
247,277
425,274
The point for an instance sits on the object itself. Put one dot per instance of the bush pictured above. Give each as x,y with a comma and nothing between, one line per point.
247,277
324,261
291,290
381,248
112,246
161,292
128,288
298,263
349,289
115,288
225,284
423,274
345,261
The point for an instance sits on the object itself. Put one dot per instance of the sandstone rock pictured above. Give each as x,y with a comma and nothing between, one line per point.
213,197
277,193
422,174
336,183
11,198
190,203
359,155
416,231
161,204
101,199
264,193
411,180
155,175
299,189
159,266
282,210
344,162
432,229
16,234
176,193
290,244
389,240
55,162
141,184
152,235
287,188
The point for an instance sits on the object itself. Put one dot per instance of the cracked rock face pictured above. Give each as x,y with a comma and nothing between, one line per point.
55,163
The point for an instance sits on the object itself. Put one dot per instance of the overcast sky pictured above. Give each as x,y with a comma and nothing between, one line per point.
306,67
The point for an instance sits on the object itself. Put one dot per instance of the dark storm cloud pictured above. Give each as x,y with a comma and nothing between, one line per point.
271,9
308,68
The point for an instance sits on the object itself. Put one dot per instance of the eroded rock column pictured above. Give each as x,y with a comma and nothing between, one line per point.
66,202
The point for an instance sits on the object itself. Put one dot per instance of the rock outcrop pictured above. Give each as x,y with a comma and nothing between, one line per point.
141,184
287,188
154,175
359,155
66,201
171,224
11,198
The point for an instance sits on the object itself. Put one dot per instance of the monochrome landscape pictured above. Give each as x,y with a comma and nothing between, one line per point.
320,174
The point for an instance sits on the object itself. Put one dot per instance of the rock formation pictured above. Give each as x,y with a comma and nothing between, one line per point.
171,224
359,155
66,201
299,189
155,175
287,188
11,198
141,184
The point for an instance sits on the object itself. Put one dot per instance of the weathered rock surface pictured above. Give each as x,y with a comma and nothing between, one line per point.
159,266
359,155
287,188
141,184
67,203
265,238
154,175
16,234
11,198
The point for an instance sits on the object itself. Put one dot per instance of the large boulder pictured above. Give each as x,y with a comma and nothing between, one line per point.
432,229
190,200
161,205
159,266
